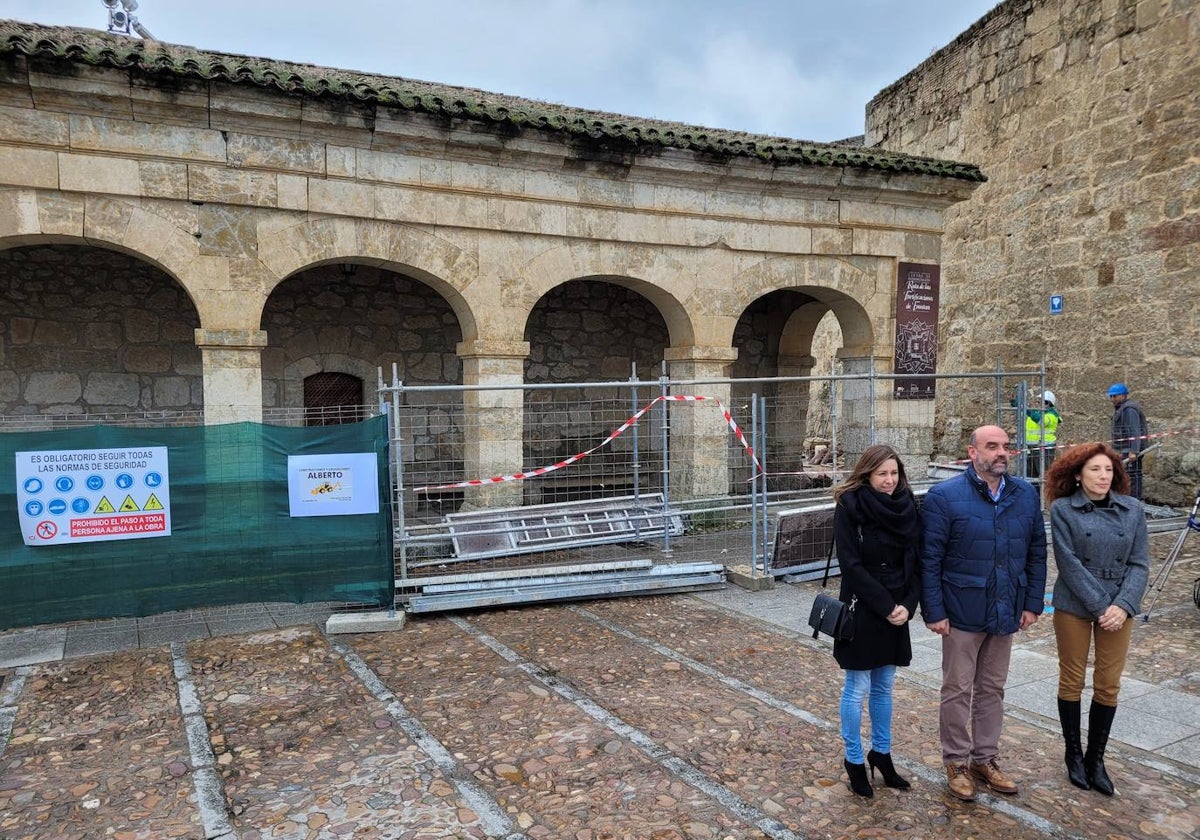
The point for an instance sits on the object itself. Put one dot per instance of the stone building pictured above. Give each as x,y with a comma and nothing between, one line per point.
1085,117
188,232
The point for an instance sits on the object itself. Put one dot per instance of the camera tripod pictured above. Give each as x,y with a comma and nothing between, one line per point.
1160,579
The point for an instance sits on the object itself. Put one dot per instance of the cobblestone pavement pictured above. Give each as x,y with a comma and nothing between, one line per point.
651,718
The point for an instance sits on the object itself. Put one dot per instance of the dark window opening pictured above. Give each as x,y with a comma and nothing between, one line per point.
331,399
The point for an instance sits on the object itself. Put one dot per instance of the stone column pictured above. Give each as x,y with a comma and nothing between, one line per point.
493,421
699,438
854,421
906,425
232,362
789,426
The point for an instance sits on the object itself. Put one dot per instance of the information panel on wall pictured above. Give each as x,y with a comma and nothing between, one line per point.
87,495
916,330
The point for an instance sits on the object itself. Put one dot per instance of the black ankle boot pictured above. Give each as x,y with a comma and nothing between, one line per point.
858,779
1100,718
883,763
1068,716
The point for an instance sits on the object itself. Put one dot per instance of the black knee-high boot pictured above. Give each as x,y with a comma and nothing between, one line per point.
1100,718
1068,716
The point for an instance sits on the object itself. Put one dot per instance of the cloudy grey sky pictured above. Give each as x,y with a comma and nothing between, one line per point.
803,69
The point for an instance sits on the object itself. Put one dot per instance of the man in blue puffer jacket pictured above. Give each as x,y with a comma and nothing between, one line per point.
983,576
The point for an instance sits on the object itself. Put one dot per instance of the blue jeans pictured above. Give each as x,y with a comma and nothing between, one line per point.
878,683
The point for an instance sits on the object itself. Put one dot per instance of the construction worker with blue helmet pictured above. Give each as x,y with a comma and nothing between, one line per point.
1130,434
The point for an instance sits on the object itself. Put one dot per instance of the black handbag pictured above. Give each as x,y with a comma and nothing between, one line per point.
832,617
829,615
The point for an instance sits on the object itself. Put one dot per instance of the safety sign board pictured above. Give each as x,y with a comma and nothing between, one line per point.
88,495
333,485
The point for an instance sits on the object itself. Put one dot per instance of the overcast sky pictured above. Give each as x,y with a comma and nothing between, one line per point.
803,69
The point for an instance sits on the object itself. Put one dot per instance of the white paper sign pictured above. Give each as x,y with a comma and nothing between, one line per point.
333,485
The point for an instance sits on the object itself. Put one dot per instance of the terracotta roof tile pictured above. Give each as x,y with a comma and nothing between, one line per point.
159,59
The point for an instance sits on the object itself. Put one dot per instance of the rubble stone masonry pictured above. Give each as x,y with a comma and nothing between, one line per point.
1085,117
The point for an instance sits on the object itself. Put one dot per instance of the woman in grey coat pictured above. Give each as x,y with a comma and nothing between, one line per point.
1101,549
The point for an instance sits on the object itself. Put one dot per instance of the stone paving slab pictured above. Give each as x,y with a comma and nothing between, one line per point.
304,751
1183,709
152,635
557,771
238,618
1184,751
98,642
28,647
97,750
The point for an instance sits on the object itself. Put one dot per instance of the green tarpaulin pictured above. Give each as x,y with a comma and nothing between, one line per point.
233,536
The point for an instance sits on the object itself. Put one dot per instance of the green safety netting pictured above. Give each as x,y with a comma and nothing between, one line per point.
233,536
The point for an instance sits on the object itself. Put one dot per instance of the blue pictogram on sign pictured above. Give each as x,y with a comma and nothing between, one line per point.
1056,304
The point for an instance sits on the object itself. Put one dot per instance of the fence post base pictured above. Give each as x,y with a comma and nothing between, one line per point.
365,622
750,579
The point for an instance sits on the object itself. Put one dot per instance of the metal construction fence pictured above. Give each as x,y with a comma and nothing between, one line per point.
500,488
556,491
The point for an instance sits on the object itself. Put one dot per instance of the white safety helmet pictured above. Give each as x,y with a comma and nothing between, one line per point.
1048,397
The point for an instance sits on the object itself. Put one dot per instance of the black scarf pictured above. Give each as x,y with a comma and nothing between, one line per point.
893,518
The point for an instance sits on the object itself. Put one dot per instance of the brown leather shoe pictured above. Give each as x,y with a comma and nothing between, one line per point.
959,780
995,778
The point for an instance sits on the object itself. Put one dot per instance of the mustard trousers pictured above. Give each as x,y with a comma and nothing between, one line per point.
1074,636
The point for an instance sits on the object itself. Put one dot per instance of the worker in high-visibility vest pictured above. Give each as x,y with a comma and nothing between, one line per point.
1041,433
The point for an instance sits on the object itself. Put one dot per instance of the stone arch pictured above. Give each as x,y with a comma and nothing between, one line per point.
91,327
38,217
596,328
610,324
367,312
835,285
433,260
790,298
801,326
644,270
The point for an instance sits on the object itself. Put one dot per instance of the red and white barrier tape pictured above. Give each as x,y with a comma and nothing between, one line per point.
1157,435
540,471
1154,437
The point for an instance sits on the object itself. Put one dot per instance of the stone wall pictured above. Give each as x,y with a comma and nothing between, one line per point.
1083,114
88,331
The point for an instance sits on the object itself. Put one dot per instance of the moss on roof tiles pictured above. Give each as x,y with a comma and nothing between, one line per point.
157,59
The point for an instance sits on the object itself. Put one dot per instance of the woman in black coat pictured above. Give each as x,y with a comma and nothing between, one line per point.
878,534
